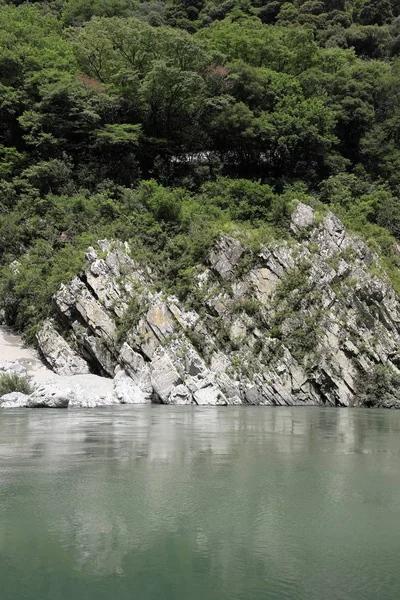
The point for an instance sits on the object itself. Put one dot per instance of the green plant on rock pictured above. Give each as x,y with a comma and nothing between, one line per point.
198,340
258,347
131,317
303,337
236,343
296,279
245,264
223,336
250,306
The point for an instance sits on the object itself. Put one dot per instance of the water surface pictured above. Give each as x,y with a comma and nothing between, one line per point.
184,503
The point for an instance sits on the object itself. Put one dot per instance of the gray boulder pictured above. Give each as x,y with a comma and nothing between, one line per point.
74,391
80,399
50,396
180,395
302,218
88,391
164,377
211,395
126,391
225,256
14,400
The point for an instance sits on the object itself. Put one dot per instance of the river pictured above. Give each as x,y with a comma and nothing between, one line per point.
185,503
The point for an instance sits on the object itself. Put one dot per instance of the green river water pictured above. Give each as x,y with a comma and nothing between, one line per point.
185,503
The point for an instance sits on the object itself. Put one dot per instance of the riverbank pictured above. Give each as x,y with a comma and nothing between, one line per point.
50,389
13,349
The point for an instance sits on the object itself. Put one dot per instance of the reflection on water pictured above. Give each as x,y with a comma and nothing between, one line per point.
173,503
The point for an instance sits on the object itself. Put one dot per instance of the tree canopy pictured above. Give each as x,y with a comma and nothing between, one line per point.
127,115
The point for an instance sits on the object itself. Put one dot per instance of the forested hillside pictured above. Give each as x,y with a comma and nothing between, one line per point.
167,123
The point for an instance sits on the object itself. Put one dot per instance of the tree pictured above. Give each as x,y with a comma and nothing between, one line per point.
375,12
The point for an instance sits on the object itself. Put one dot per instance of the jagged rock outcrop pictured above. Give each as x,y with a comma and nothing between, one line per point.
126,391
225,256
299,325
59,354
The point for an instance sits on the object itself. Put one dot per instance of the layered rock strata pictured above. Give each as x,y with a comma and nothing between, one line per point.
296,322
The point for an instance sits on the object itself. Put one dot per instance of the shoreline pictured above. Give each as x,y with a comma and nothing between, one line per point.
13,349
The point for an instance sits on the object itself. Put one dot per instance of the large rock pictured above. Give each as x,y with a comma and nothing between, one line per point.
299,323
225,256
74,391
164,377
89,391
103,283
211,395
75,299
58,353
160,320
113,277
99,353
50,396
80,399
180,395
126,391
302,218
14,400
136,367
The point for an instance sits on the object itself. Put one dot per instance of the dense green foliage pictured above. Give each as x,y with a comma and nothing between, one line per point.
165,122
12,382
381,388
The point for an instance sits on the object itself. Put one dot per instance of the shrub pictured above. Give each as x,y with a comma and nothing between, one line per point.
304,337
295,279
380,388
130,318
12,382
250,306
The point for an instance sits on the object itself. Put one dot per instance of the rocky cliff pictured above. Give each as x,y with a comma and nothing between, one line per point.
301,321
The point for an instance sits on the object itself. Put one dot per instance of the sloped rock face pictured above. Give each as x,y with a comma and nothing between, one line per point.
126,391
61,357
301,325
225,256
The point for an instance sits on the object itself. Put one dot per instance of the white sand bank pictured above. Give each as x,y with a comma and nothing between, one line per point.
13,349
